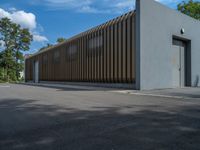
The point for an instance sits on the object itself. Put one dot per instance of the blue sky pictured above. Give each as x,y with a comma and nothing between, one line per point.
50,19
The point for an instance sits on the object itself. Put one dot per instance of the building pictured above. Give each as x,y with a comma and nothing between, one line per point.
153,47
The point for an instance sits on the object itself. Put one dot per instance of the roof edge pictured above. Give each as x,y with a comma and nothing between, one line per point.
107,23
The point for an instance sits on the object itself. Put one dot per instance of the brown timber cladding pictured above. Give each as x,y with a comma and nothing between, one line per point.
103,54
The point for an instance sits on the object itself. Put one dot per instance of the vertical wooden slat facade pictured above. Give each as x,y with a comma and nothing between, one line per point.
103,54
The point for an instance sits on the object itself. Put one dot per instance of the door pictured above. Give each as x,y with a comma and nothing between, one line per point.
182,66
36,72
178,64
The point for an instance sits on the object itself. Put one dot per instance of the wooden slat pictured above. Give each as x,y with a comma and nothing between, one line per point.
124,51
111,54
116,52
114,61
105,55
120,52
128,42
133,74
108,55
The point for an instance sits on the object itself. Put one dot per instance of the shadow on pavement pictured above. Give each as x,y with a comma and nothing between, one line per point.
26,125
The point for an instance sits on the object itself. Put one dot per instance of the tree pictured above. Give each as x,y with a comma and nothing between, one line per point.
190,8
16,40
60,40
6,60
21,42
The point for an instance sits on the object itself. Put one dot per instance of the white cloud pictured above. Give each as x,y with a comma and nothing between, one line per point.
39,38
90,6
26,20
125,4
97,6
68,3
4,13
88,9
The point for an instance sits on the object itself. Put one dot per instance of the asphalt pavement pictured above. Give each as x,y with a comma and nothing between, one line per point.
67,118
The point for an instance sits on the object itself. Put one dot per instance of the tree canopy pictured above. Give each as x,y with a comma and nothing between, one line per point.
15,40
190,8
60,40
48,45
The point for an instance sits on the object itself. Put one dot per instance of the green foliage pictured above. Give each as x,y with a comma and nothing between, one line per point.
60,40
2,74
16,40
190,8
